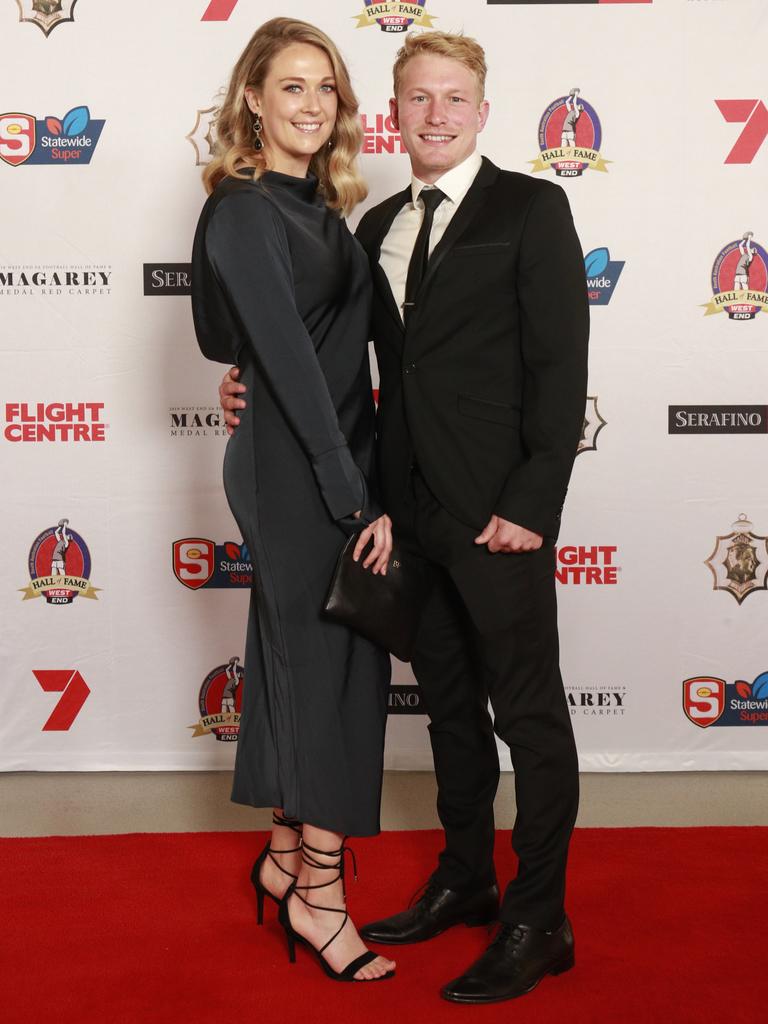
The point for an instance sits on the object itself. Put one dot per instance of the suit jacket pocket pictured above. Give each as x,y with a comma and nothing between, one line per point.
483,409
481,247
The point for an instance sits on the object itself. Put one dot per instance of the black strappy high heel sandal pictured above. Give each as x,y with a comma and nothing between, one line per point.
349,972
268,851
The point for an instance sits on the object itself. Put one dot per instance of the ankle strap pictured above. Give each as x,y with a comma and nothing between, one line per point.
311,860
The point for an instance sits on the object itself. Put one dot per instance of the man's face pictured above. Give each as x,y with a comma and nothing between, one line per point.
438,113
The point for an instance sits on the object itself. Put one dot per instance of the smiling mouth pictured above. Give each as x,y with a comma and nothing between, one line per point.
438,139
308,127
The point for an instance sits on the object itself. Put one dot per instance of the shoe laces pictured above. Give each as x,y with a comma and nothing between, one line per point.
425,892
507,932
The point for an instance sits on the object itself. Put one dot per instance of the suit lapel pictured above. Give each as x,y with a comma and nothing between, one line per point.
391,209
468,208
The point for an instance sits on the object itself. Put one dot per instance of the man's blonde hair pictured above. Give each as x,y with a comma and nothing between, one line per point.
465,50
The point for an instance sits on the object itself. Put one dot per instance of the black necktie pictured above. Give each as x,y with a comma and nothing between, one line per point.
431,197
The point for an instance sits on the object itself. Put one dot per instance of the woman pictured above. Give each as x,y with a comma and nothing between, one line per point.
282,288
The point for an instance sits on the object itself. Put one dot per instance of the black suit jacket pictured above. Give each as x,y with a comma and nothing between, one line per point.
486,387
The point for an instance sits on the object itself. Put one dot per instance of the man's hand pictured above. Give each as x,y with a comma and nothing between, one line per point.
378,556
509,538
229,389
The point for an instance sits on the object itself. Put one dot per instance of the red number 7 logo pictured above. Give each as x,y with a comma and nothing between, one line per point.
754,116
74,693
219,10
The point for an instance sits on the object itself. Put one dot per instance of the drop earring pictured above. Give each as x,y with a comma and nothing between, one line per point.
258,145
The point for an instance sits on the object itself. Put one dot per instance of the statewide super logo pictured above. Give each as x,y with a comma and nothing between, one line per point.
201,563
220,701
69,140
708,700
739,562
740,280
46,14
394,17
59,566
570,137
603,275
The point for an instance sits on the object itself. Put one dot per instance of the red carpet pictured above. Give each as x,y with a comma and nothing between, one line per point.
161,928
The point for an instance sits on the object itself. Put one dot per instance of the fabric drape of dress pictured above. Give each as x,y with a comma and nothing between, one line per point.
282,288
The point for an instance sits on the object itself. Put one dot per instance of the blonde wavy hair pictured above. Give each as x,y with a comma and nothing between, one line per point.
464,49
334,165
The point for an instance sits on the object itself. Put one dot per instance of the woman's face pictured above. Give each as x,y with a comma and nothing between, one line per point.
297,105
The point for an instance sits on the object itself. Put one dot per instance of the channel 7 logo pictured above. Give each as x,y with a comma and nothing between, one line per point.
753,114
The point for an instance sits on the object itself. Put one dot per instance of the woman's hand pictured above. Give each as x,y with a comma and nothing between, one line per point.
229,389
381,532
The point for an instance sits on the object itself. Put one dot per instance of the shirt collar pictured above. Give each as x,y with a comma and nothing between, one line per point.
455,183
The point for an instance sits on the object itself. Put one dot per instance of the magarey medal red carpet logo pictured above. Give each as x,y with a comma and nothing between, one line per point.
46,14
739,280
220,701
570,137
59,566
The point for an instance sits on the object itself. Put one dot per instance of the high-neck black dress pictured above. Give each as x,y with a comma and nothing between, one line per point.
282,288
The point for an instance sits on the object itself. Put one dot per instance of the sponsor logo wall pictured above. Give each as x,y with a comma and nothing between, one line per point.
124,563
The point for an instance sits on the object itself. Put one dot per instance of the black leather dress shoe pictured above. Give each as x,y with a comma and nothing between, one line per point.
436,910
514,963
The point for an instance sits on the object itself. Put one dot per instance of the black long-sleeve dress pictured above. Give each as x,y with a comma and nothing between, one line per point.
282,288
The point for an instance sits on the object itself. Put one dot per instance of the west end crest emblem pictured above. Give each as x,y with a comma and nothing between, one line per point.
739,562
46,14
203,135
593,424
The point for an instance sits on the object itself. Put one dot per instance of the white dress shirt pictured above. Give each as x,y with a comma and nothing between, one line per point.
399,241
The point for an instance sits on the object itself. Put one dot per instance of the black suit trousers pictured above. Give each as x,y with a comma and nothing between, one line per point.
489,631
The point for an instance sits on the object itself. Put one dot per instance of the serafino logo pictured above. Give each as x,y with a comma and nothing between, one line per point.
753,114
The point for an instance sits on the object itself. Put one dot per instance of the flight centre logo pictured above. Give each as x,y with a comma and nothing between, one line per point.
592,425
570,137
739,280
52,140
59,566
581,564
739,562
220,701
603,275
201,563
708,701
380,135
46,14
394,17
54,421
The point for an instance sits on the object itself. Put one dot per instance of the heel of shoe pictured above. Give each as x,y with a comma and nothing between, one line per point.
259,905
565,965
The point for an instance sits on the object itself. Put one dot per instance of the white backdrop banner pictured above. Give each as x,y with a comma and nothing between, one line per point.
124,580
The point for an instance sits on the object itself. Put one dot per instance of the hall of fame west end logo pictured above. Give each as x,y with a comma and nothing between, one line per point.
739,562
570,137
739,280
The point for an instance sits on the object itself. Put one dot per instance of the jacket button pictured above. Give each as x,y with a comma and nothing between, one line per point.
410,368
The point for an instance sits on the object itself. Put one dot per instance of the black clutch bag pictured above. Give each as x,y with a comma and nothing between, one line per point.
385,609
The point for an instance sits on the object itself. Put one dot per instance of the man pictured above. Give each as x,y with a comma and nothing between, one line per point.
480,322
